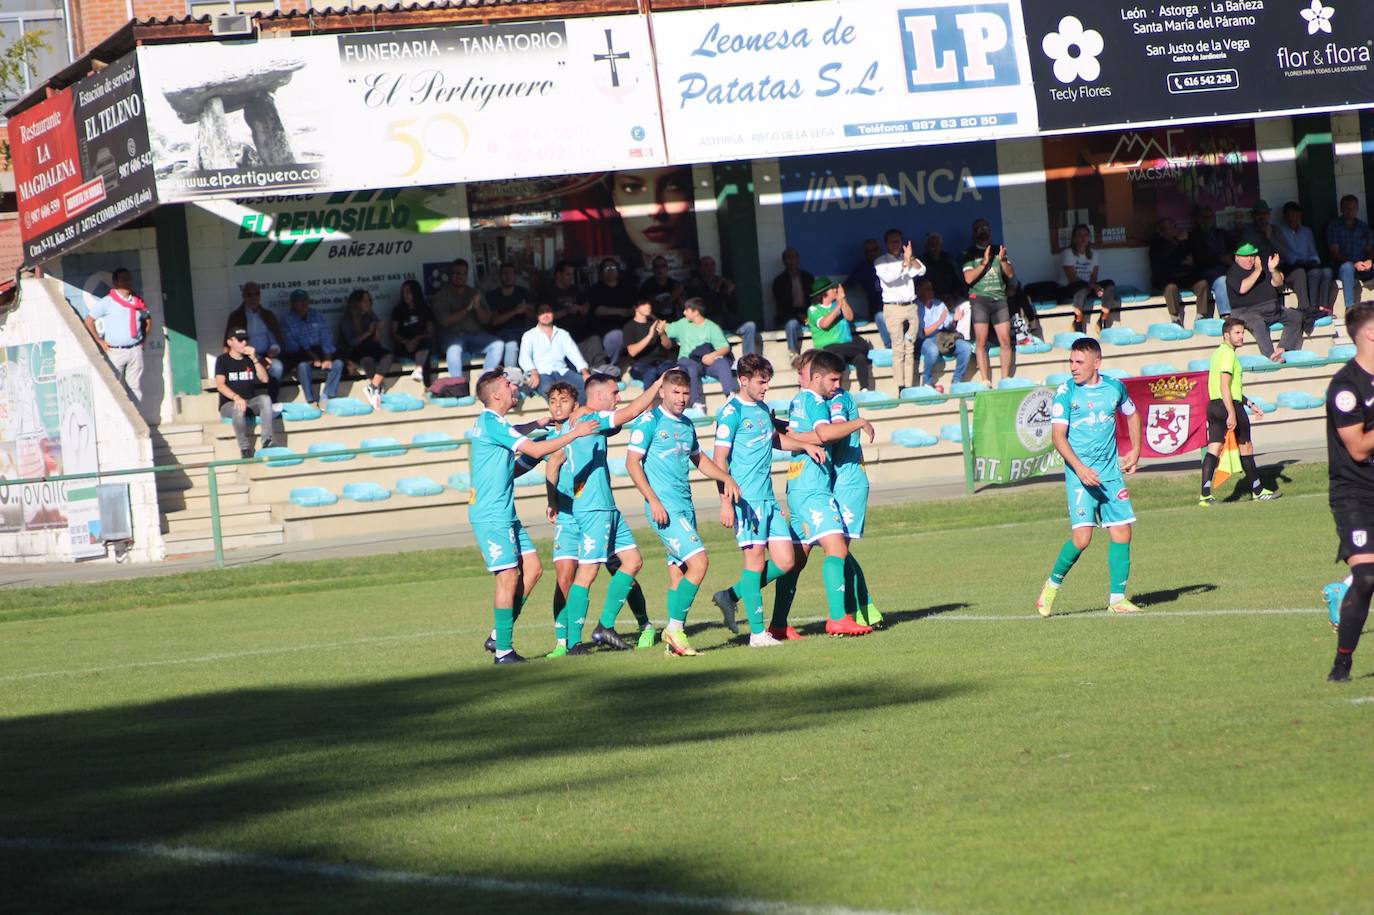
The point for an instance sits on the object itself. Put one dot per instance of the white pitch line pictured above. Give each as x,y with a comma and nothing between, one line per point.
190,854
1362,700
1104,615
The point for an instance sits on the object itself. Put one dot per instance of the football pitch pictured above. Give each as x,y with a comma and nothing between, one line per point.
331,736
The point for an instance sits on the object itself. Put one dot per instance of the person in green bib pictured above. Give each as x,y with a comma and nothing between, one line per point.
831,322
1226,412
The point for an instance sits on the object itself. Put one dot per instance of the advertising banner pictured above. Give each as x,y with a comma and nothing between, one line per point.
752,81
1011,435
1121,182
35,428
82,163
1173,414
76,404
393,109
1101,63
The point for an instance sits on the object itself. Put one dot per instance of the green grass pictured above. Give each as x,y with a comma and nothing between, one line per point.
971,758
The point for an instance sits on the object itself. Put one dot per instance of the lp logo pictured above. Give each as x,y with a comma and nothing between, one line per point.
958,47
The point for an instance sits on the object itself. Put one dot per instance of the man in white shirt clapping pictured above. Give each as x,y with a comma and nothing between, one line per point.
896,270
548,355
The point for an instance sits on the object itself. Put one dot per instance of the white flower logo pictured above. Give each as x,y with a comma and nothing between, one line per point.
1318,17
1074,50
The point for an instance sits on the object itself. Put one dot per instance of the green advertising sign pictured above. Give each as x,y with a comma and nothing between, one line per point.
1011,435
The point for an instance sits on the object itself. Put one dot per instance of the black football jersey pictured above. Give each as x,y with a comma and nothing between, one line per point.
1349,401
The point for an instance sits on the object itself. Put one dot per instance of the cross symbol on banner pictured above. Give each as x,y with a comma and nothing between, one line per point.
611,56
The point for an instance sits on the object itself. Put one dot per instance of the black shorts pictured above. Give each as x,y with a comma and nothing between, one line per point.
990,311
1354,530
1216,423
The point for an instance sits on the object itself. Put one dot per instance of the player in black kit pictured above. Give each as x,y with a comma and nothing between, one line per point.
1350,455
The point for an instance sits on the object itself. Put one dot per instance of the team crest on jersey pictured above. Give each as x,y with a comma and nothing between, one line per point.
1359,538
1166,426
1345,401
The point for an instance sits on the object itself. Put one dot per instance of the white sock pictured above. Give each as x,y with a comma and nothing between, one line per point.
1116,598
674,625
1348,580
1049,582
502,654
493,635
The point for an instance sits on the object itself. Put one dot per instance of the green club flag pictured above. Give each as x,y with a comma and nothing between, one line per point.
1011,435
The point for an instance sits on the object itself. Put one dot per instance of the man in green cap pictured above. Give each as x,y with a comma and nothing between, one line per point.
831,322
1252,285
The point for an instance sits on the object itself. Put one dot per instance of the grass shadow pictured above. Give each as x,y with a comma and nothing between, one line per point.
1169,595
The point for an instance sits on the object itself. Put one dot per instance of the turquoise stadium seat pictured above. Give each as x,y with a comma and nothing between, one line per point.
881,358
280,457
1132,294
533,477
1199,365
459,481
617,467
366,492
1301,357
1055,379
1167,330
1013,383
1342,352
1158,368
300,412
446,402
1264,405
1208,327
865,398
418,487
435,442
1122,336
383,442
1118,374
348,406
312,496
1252,361
967,387
1324,321
921,392
1064,339
328,448
1033,348
913,438
401,403
952,432
1300,400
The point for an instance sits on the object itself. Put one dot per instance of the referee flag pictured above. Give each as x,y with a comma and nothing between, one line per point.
1229,463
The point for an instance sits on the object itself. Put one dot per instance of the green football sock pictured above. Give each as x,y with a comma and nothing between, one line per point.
854,577
1068,555
505,627
576,613
637,605
751,593
560,600
772,573
832,579
783,593
616,592
560,623
684,594
1119,565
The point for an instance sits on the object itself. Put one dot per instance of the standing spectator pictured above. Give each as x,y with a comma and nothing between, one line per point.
1172,270
701,347
1253,285
264,335
1351,250
238,372
549,355
1302,266
662,288
1211,247
864,280
895,270
651,351
791,290
309,345
612,304
461,319
122,330
987,271
511,313
1081,280
360,333
939,336
412,330
717,294
831,322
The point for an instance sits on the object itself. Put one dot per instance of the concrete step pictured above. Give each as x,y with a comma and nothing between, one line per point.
197,497
233,516
200,540
188,477
202,452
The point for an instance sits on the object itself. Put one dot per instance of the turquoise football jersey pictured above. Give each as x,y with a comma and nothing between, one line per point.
668,444
848,453
808,411
1090,413
591,477
747,430
491,462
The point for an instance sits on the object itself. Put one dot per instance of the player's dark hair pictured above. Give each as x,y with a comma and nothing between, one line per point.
487,381
600,378
121,271
751,364
1086,345
1358,317
805,359
676,376
1230,322
562,387
891,232
826,363
695,304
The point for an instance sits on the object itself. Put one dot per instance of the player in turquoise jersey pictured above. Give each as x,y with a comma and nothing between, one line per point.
604,534
506,547
745,437
663,448
851,494
815,416
1083,418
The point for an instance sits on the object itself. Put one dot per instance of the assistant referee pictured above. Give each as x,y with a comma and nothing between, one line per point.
1226,413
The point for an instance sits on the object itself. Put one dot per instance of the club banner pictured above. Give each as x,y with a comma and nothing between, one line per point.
82,163
394,109
1099,63
1011,435
756,81
1173,414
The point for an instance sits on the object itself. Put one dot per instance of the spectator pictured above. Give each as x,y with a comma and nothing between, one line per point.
1081,268
790,299
461,319
1351,250
511,313
1260,231
896,270
1302,266
831,322
662,288
987,271
238,372
412,330
648,345
264,335
863,279
1211,248
360,333
1252,285
701,347
939,336
573,313
1172,269
122,329
309,345
717,294
945,275
548,355
612,303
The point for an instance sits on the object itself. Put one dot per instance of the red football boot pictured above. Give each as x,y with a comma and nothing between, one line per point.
846,626
785,633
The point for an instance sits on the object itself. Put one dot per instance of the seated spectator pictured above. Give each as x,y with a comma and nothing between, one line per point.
864,291
309,345
662,288
939,336
360,333
831,322
1081,280
1211,248
701,347
511,311
549,355
791,290
1172,270
987,271
461,320
573,313
1352,253
647,344
238,372
412,330
612,304
264,335
1302,266
717,294
1253,286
